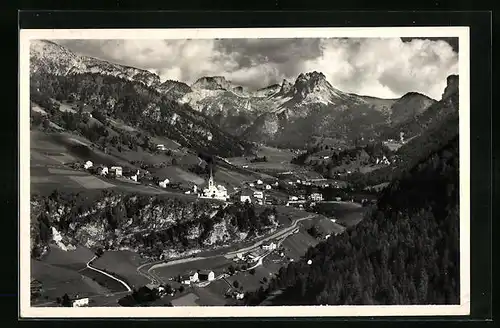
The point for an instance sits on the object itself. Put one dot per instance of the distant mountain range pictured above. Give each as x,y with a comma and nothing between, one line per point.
287,114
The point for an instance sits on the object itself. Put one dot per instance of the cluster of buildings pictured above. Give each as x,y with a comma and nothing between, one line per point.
197,276
254,256
235,294
113,171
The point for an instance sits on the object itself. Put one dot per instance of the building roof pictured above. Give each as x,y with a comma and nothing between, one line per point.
205,272
152,286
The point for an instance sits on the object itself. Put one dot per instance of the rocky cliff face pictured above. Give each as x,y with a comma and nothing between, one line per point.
150,225
451,86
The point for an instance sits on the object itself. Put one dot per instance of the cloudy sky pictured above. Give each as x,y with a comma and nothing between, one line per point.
384,68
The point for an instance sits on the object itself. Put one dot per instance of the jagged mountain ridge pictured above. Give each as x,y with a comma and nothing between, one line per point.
51,58
309,106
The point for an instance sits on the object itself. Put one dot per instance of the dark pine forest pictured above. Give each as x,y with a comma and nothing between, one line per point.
406,251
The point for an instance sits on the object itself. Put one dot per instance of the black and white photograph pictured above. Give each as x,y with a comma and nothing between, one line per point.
244,172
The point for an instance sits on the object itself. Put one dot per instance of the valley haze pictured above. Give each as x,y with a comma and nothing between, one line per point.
201,173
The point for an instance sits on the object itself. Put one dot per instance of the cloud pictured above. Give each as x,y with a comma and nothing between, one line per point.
371,66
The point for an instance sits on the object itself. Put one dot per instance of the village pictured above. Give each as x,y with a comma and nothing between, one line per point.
283,190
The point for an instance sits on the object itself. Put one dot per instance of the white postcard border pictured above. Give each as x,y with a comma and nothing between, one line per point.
26,311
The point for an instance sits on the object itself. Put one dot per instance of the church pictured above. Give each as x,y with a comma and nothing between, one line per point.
214,192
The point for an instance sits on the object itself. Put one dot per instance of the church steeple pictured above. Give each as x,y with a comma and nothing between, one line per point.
211,179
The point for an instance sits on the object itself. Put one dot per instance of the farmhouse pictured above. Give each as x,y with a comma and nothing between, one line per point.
258,194
164,183
88,165
81,302
117,171
135,176
206,275
102,170
187,279
238,295
245,198
317,197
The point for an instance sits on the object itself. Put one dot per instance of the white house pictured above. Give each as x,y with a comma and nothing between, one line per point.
259,182
244,198
81,302
268,187
88,165
117,170
164,183
317,197
270,247
239,296
206,275
194,277
189,278
135,176
251,184
258,194
103,170
293,198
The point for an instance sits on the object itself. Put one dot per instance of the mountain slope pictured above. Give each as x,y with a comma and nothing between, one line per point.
131,95
311,106
409,106
429,132
50,58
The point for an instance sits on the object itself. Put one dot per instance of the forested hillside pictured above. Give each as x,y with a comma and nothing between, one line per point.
406,251
138,106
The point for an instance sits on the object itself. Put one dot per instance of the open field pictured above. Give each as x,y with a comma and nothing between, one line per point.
186,300
176,174
65,171
76,259
66,147
297,244
206,297
56,281
249,281
91,182
103,280
124,264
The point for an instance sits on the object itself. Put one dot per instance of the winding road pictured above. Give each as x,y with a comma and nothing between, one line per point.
281,234
107,274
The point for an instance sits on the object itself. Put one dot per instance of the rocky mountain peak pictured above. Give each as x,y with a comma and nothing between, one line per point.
285,87
451,86
213,83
